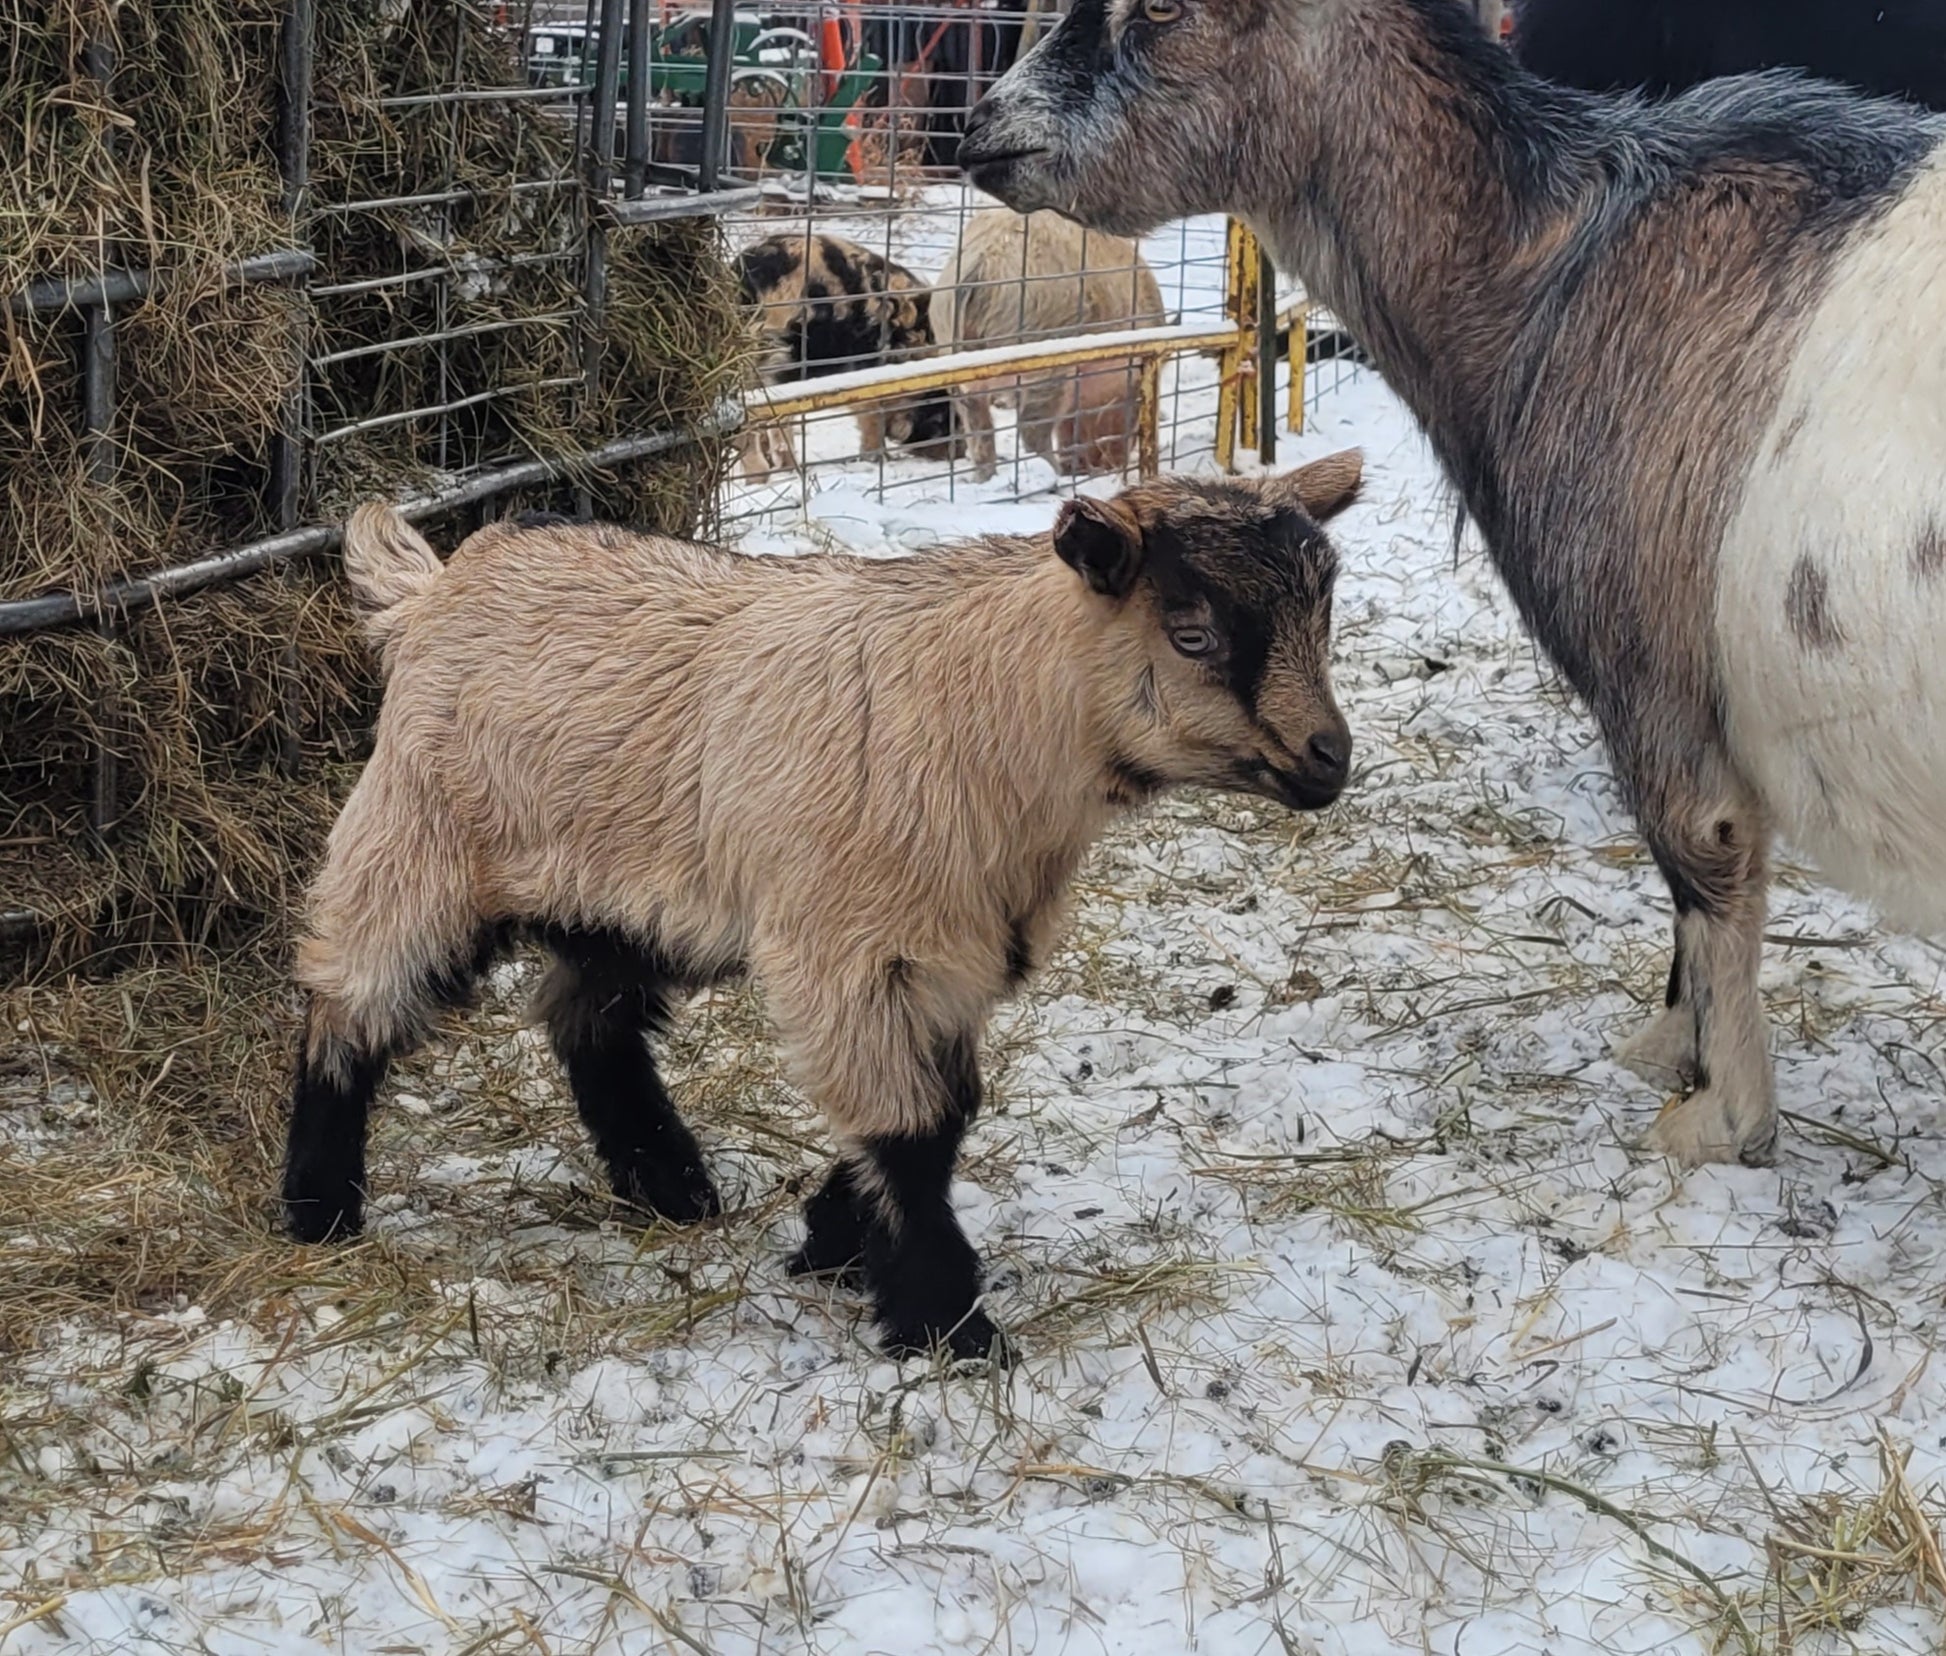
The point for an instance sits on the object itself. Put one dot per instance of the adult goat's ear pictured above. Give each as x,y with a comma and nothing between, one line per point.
1101,541
1323,489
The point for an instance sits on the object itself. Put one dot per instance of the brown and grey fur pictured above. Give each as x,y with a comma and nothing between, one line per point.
867,782
1041,276
826,305
1614,322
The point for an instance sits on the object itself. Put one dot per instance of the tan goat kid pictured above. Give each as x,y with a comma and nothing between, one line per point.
1038,276
868,782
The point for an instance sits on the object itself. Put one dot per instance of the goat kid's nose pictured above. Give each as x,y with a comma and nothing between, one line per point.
1330,751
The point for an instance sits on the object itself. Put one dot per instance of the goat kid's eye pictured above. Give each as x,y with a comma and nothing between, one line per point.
1162,11
1193,641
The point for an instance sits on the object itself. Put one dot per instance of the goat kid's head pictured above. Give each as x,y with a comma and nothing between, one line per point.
1131,113
1229,584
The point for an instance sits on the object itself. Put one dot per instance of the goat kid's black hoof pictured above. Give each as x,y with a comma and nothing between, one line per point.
677,1200
315,1221
811,1261
972,1339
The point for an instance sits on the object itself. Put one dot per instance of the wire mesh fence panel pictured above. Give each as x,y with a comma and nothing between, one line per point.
858,252
389,252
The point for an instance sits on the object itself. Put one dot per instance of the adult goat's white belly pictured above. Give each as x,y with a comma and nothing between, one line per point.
1831,602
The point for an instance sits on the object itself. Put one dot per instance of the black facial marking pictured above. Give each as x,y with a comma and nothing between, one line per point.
1244,571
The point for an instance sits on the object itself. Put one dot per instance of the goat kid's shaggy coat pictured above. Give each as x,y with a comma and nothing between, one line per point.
1684,363
867,782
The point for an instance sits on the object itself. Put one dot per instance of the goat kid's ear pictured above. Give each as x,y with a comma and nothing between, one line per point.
1323,489
1102,542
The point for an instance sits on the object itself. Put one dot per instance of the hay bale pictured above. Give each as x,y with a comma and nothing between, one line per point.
239,715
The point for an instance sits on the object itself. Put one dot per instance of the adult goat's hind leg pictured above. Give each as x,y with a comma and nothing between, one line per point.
1663,1050
1716,862
603,999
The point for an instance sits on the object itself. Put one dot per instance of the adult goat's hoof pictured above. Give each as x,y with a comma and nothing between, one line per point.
1710,1126
1663,1051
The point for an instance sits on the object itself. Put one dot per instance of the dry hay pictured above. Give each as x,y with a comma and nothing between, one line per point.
154,983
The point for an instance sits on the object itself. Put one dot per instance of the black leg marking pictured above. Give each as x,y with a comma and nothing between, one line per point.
324,1163
924,1274
1020,957
1672,996
605,998
838,1221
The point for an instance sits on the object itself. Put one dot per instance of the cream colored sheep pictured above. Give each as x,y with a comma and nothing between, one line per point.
1041,277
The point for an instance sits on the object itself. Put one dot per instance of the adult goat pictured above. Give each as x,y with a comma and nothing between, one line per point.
1685,365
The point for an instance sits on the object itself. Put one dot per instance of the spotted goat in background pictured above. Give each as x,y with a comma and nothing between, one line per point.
826,305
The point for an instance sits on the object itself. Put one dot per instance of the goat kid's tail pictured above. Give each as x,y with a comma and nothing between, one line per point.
387,562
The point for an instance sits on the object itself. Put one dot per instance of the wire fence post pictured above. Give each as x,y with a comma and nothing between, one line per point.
716,96
601,159
1266,359
1148,417
98,419
635,156
1236,414
1298,351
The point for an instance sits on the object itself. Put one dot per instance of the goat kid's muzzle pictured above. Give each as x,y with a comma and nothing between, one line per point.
1315,780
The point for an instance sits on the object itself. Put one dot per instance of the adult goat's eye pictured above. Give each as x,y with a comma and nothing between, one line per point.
1193,641
1162,11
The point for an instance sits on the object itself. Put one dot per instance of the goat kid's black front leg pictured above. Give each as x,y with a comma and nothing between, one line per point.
838,1219
923,1273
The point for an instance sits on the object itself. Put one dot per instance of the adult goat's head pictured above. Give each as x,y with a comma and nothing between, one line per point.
1135,112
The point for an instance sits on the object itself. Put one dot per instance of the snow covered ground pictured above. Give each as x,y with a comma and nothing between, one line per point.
1351,1323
